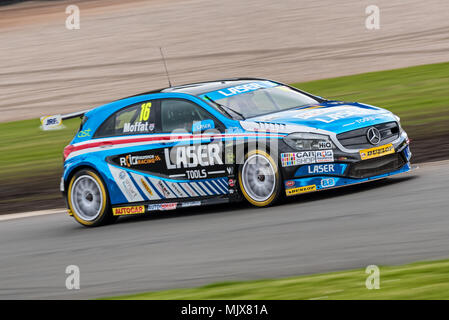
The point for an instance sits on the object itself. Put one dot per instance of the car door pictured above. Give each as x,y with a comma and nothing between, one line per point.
130,151
193,156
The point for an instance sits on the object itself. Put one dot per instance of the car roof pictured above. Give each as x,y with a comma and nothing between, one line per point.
199,88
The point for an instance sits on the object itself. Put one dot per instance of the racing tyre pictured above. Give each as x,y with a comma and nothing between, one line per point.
88,199
260,179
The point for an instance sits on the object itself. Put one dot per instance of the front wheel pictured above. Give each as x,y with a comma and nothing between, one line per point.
260,179
88,200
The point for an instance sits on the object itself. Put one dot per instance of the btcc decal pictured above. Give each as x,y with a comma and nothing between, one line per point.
193,156
315,169
306,157
130,160
128,210
299,190
376,152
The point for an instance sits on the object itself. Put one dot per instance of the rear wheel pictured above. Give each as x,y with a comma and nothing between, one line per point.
88,199
259,179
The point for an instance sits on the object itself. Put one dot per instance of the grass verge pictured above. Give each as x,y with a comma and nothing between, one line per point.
422,280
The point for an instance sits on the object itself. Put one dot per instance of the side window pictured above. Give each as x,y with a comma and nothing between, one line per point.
134,119
181,114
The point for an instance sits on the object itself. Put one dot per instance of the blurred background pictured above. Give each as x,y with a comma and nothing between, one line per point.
46,68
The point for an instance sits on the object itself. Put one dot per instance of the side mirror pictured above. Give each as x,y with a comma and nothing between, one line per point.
203,125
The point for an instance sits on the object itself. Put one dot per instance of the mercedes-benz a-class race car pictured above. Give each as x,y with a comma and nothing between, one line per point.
222,141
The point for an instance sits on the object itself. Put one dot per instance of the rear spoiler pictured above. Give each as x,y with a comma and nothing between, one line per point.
55,122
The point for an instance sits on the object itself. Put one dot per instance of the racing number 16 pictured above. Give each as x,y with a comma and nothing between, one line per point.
145,111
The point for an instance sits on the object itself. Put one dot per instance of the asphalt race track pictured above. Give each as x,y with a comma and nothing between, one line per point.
392,221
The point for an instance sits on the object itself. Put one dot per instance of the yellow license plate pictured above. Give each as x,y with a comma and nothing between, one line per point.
377,152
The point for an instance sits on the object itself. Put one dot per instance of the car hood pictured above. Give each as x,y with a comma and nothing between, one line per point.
333,116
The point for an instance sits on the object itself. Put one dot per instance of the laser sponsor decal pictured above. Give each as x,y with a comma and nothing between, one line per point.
193,156
293,191
306,157
244,88
122,211
316,169
203,125
377,152
134,160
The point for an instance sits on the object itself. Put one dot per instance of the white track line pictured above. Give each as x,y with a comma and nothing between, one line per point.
13,216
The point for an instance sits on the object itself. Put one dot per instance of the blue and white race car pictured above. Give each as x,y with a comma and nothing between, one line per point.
222,141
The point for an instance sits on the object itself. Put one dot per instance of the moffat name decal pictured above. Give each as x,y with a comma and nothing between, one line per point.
376,152
193,156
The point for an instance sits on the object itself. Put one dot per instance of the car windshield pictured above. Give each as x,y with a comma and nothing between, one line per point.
257,98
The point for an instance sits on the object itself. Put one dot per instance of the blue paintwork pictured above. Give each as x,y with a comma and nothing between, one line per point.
326,113
332,116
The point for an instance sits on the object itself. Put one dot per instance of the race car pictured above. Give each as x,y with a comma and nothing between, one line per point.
222,141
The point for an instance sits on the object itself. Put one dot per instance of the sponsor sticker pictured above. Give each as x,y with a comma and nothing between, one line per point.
162,206
306,157
299,190
316,169
190,204
51,122
146,186
327,183
324,156
231,183
131,160
377,152
290,183
122,211
84,133
193,156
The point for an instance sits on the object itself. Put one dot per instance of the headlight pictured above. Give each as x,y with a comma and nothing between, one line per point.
308,141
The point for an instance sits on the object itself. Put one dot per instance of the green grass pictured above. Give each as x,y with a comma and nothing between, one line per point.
423,280
419,95
27,151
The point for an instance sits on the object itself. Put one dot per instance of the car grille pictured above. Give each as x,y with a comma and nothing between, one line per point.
378,166
356,139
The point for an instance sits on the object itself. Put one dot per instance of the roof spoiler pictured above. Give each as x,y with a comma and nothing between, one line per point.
54,122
